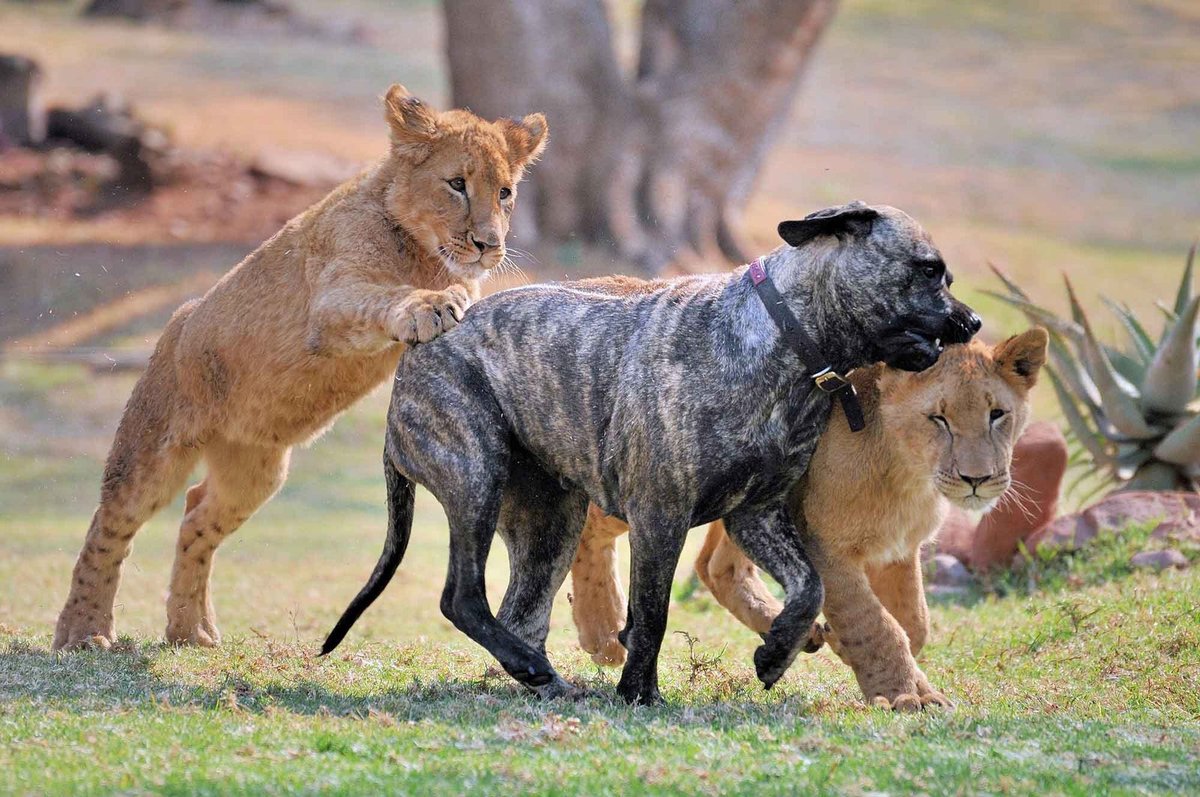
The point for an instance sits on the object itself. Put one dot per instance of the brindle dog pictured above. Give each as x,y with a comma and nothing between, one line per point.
668,404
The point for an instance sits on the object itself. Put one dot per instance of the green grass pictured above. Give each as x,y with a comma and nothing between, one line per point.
1075,676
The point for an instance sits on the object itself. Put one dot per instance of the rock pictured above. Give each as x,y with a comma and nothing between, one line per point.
1178,530
1159,560
946,571
1038,466
303,167
1178,511
947,593
1124,508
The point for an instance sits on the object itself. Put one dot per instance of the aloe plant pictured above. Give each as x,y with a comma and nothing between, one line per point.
1135,410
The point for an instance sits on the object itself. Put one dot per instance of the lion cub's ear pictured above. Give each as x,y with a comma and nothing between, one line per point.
1019,358
526,139
413,123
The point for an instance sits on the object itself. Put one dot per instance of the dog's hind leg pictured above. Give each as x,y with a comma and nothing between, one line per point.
473,522
655,544
770,539
540,522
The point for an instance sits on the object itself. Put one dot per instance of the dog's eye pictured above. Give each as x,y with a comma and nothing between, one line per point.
458,184
505,193
932,269
941,421
996,414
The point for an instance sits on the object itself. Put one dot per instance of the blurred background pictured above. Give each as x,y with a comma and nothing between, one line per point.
147,145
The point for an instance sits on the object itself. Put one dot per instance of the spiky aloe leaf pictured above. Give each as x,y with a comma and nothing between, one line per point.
1170,381
1040,315
1120,405
1087,436
1167,312
1013,287
1130,459
1182,445
1128,368
1185,285
1143,344
1075,375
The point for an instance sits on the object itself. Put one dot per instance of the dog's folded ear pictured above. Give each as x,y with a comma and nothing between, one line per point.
855,218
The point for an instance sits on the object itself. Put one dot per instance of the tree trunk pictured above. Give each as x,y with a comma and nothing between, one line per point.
656,165
22,117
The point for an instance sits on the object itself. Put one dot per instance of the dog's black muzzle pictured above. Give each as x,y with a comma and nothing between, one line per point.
916,343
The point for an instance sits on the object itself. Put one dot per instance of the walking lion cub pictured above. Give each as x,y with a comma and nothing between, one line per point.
868,501
303,327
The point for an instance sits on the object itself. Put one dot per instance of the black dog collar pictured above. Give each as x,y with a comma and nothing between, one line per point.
827,379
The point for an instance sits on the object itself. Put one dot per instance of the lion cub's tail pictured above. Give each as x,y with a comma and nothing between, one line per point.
400,493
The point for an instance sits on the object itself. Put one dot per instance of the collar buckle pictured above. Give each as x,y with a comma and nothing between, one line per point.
830,381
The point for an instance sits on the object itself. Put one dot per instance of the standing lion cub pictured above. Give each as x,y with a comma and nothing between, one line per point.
303,327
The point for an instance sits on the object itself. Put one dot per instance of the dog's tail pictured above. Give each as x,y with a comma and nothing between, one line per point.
400,493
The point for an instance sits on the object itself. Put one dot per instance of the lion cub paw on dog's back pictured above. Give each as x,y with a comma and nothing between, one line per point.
423,315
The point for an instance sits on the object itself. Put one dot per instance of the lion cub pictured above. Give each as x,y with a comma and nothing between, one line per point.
303,327
868,502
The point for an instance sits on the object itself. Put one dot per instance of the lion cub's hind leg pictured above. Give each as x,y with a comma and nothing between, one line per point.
140,477
240,479
598,600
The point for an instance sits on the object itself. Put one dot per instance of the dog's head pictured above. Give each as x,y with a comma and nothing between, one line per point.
887,279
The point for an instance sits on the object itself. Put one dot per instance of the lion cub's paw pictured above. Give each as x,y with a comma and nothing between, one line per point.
424,315
909,702
609,653
936,699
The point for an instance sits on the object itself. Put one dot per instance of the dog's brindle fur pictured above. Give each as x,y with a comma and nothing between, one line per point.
549,395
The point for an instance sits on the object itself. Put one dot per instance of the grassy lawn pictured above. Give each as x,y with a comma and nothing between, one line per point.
1075,677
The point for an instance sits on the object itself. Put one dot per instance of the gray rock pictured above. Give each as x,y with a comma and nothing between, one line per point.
1159,560
945,570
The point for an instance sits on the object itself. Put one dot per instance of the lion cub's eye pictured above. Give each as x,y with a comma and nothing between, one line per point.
996,414
505,193
458,184
941,421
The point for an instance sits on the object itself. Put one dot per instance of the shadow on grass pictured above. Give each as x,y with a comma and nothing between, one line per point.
132,676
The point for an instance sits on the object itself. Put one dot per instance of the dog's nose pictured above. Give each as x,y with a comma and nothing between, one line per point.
974,322
485,245
975,481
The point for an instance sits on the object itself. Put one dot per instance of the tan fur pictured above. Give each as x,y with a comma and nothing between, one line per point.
869,501
307,324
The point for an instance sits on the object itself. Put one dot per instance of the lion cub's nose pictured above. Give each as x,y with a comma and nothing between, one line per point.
484,245
975,481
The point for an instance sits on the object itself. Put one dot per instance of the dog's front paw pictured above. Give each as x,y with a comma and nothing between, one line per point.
424,315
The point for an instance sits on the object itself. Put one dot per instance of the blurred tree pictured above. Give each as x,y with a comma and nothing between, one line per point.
655,166
22,117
